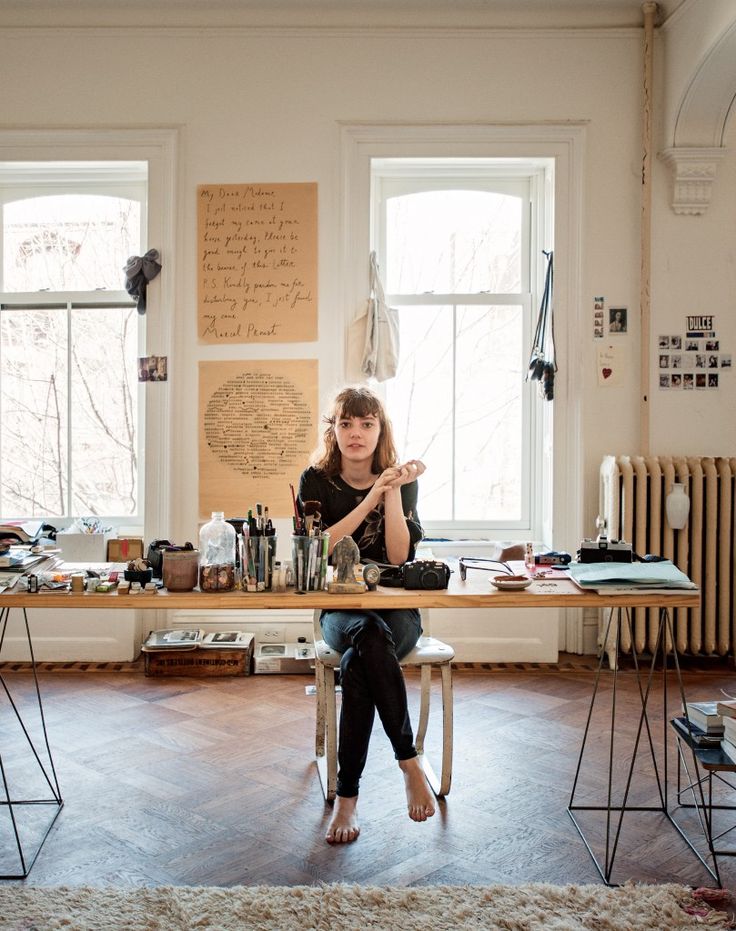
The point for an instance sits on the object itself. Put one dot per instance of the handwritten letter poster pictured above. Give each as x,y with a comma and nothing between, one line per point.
257,263
257,427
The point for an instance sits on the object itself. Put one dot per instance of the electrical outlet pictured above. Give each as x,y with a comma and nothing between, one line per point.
273,635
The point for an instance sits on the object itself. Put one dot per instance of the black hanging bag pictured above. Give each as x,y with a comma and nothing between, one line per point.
542,363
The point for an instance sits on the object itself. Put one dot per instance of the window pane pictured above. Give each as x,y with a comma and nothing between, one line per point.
420,401
450,242
489,415
104,385
33,344
69,242
477,476
37,413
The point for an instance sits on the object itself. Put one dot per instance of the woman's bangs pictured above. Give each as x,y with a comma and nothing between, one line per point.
357,405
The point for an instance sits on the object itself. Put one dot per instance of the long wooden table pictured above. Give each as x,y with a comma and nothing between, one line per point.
475,592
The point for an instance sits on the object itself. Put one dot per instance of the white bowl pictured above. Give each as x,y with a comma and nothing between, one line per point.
506,583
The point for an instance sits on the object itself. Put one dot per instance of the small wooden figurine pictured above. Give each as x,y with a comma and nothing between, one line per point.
345,556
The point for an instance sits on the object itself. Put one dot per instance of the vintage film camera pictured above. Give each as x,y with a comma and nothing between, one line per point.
426,573
604,550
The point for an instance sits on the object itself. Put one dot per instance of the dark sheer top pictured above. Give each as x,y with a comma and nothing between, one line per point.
338,499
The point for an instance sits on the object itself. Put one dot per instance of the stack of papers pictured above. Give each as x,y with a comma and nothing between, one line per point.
626,577
173,639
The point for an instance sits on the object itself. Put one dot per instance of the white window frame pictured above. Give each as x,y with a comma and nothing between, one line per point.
20,181
159,149
561,459
518,177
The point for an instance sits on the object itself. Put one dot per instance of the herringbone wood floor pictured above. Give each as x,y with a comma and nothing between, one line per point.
192,781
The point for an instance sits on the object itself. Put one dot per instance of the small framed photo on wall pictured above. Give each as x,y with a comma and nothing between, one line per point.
617,319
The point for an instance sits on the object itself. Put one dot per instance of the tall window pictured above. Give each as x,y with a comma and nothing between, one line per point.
459,247
70,404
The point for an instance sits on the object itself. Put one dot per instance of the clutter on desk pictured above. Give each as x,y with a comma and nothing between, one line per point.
255,554
20,559
511,583
85,540
27,531
553,558
138,571
601,549
430,574
427,574
156,551
620,576
309,559
122,549
180,569
217,555
604,550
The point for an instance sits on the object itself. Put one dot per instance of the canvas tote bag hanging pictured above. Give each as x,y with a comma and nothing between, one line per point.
377,329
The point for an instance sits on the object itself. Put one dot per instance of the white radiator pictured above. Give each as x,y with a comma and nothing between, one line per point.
632,500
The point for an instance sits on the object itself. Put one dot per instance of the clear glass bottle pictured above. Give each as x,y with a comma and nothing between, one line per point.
217,555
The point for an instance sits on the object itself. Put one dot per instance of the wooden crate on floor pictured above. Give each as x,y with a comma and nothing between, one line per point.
201,663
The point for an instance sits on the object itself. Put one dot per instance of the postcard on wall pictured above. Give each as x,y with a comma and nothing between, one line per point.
257,428
153,368
257,263
611,366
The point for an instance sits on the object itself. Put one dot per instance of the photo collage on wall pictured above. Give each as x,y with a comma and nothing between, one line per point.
611,320
609,323
695,360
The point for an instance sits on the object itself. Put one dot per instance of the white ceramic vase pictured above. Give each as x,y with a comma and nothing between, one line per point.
677,507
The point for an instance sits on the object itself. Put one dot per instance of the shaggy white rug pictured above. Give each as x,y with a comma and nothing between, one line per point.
533,907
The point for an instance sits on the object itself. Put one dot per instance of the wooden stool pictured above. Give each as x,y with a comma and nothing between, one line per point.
429,653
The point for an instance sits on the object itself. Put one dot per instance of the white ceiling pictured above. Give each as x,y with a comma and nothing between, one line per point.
529,13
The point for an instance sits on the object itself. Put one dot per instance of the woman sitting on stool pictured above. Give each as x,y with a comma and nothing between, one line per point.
365,493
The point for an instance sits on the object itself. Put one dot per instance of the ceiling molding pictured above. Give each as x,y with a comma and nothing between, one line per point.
693,174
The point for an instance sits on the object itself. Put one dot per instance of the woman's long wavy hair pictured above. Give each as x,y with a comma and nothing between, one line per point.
355,402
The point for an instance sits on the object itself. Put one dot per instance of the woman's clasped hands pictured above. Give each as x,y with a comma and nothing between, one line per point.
396,476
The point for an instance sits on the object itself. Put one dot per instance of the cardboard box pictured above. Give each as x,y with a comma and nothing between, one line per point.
200,663
83,547
123,549
280,658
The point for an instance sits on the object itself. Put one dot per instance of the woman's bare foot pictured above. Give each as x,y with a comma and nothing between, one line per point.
419,795
343,827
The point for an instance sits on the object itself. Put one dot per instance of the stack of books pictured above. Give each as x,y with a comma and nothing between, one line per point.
727,710
173,639
178,639
706,724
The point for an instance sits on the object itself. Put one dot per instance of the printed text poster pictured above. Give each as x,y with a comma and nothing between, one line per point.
257,428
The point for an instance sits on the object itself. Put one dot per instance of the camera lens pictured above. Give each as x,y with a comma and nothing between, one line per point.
430,579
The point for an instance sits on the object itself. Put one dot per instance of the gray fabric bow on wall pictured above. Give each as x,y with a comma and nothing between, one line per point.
139,270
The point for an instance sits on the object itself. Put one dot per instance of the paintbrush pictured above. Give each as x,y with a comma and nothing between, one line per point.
312,515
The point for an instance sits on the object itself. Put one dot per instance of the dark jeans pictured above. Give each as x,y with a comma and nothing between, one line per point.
371,643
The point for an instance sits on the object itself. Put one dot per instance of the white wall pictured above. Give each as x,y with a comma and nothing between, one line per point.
257,105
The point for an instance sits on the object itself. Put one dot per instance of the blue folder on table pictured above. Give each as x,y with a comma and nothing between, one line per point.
607,575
